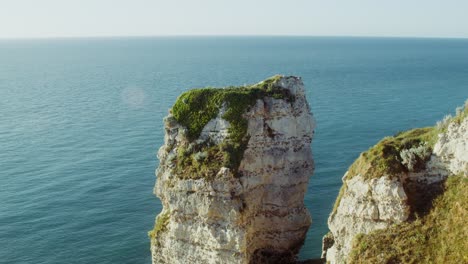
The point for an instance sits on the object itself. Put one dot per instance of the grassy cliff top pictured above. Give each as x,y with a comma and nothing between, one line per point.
385,158
195,108
438,237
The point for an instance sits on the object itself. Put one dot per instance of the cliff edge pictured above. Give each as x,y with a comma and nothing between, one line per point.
233,173
404,200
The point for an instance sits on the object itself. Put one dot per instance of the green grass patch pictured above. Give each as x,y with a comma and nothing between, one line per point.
195,108
438,237
191,166
160,225
384,158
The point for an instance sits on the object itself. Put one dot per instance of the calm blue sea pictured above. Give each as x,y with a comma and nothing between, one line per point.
81,121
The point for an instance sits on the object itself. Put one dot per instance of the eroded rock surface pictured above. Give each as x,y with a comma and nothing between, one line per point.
452,148
364,207
251,214
370,201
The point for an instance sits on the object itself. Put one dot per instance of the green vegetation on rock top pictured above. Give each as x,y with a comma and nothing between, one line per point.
195,108
438,237
384,158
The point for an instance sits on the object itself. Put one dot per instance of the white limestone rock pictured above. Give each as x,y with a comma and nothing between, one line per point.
368,205
452,148
234,218
217,129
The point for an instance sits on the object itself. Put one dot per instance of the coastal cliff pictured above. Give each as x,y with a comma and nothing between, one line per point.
404,200
233,173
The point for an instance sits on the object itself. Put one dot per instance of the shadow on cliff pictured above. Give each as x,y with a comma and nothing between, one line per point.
421,197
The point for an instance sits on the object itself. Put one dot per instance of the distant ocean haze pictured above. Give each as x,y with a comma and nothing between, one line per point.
81,121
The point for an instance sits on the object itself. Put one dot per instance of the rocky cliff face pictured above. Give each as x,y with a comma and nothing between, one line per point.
233,173
365,205
396,180
451,150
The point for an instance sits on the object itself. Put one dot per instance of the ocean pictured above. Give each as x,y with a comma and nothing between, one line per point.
81,121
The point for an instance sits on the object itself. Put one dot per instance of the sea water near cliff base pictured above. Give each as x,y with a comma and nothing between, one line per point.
81,121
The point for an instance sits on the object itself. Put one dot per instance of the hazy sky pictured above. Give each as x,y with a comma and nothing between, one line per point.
73,18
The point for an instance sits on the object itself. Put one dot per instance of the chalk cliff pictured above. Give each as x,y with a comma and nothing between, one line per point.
233,173
394,183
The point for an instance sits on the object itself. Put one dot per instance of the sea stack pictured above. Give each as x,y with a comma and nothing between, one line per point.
234,169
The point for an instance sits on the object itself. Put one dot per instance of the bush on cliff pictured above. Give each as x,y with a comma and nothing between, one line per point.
384,158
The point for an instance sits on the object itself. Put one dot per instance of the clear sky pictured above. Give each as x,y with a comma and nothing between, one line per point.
78,18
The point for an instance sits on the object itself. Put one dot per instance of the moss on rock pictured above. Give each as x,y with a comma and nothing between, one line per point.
384,158
195,108
160,225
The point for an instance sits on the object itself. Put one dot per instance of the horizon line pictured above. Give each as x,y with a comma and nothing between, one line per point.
220,35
